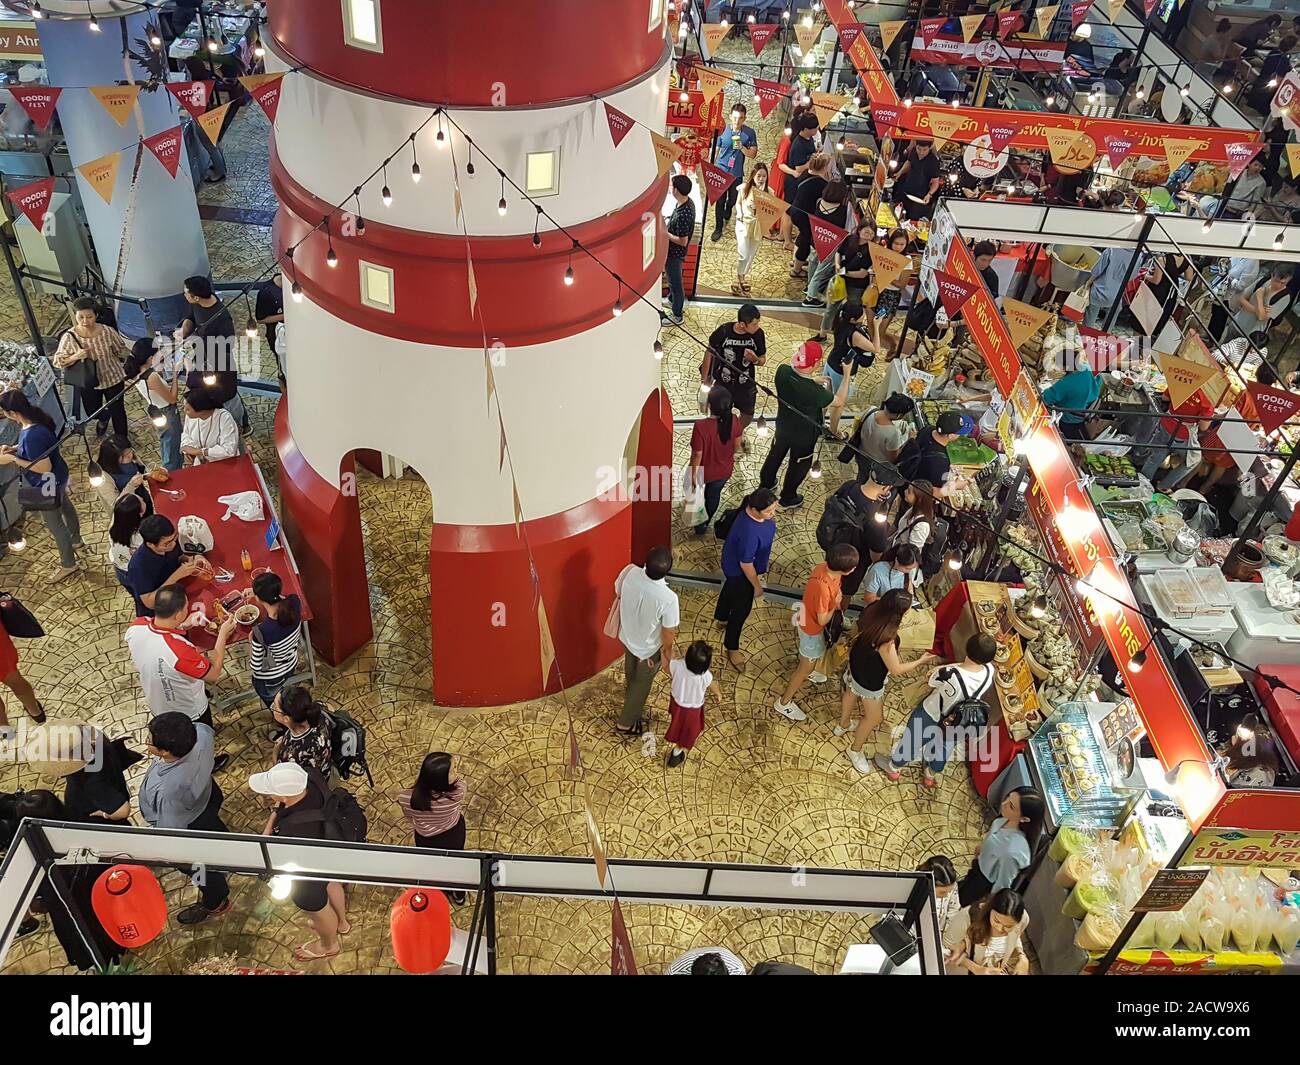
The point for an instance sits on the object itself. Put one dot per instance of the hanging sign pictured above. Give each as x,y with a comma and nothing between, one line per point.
265,89
101,174
1231,846
666,152
1045,16
1027,55
825,237
890,30
166,147
981,161
760,34
944,127
1118,149
806,37
620,124
769,94
1274,407
1240,155
848,33
769,209
827,105
1079,12
1023,319
930,28
19,41
210,122
1008,21
711,81
192,95
970,25
34,200
1178,151
716,180
38,102
888,265
117,100
713,34
1184,378
1001,133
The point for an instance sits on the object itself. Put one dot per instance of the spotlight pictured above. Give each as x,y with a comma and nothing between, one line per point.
17,541
1038,608
96,474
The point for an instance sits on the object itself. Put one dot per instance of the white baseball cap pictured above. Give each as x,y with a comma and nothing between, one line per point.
282,781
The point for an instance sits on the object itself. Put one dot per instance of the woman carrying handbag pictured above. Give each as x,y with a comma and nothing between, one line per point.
17,620
91,356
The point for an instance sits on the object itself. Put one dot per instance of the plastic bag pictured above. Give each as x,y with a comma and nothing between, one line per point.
1191,934
1076,867
1099,930
1168,930
1245,930
693,510
1286,929
1213,932
1145,934
194,535
247,506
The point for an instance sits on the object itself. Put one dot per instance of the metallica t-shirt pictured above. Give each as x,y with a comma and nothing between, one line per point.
730,370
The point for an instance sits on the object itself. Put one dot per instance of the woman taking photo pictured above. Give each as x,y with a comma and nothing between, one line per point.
160,385
916,523
1252,756
853,263
123,473
984,939
713,452
873,659
889,297
306,736
1008,848
852,350
748,237
273,645
124,534
99,352
433,807
44,470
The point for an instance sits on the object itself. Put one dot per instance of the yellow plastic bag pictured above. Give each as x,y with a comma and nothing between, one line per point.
837,291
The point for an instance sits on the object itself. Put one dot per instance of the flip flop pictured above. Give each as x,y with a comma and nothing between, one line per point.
303,954
343,933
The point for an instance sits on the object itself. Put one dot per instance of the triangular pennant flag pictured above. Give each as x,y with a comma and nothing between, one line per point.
713,34
265,89
101,174
1240,153
595,843
575,756
930,28
848,33
666,152
619,124
1118,149
761,33
887,118
711,81
1293,158
34,200
472,281
1273,406
825,237
944,125
518,507
806,36
888,31
546,645
117,100
888,265
769,93
769,209
1024,319
491,379
166,147
1184,377
953,291
622,962
1008,21
1000,132
1150,5
1070,148
1178,151
1045,16
501,457
716,180
827,105
210,122
1079,12
192,95
38,101
1113,8
970,25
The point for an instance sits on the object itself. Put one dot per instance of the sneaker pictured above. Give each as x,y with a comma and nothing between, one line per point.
860,762
456,898
886,767
818,678
198,913
716,236
671,319
812,301
793,504
220,762
676,758
29,925
840,730
789,710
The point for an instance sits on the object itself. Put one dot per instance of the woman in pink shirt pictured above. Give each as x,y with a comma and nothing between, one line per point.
433,807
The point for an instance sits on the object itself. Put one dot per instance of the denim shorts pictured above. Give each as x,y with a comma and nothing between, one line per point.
858,690
811,646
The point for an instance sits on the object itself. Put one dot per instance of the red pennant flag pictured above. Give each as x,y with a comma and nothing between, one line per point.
1273,405
716,180
1118,149
266,93
887,118
1078,12
930,28
686,68
38,102
953,292
1000,133
848,34
825,237
192,95
619,124
1007,21
1239,156
1148,6
166,147
761,34
34,200
769,93
622,962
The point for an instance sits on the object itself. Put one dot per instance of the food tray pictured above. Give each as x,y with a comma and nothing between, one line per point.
1071,766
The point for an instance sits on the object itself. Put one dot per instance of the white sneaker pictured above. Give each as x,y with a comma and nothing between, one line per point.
818,678
860,762
839,730
789,710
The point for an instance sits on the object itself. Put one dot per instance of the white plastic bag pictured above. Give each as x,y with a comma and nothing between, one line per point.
244,505
193,534
693,510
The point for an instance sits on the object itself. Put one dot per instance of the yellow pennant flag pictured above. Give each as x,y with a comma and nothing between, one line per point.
491,388
666,152
1178,151
593,839
1184,377
713,33
1045,16
1293,157
256,81
888,31
944,125
1023,319
1114,7
101,174
769,209
117,100
1071,149
519,507
807,36
711,81
970,25
546,644
827,105
888,265
473,285
210,122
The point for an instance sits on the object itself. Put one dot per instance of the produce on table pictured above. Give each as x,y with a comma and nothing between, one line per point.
1016,548
1110,465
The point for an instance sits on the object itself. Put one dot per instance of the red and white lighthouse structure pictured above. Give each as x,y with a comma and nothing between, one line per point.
385,354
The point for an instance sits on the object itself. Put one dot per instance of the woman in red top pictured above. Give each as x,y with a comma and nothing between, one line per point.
713,452
14,680
777,177
1175,431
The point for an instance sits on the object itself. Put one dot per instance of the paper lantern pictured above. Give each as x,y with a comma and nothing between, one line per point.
421,930
129,903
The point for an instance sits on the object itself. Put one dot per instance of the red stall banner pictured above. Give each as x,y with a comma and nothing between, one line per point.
694,112
1085,619
880,90
1025,55
1257,810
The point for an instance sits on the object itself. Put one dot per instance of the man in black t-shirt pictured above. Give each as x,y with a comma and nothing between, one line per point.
925,457
735,351
269,312
918,180
210,330
985,252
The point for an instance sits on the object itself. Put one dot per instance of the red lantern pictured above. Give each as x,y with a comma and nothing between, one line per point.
129,903
421,930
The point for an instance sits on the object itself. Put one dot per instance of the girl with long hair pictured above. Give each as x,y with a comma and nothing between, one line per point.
916,523
1008,848
123,473
984,938
748,236
852,350
713,452
306,737
433,805
888,298
274,644
1252,756
159,383
124,534
873,659
853,263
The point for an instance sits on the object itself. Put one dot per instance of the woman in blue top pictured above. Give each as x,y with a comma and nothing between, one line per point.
1007,849
1074,392
745,556
37,455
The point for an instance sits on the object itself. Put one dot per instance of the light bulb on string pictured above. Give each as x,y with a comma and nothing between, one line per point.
258,51
155,39
537,225
95,473
1038,607
440,138
295,290
156,416
815,470
1050,100
1207,225
17,541
659,348
210,379
415,162
617,309
568,273
250,331
1277,241
502,207
94,21
1227,88
907,101
469,161
785,16
1272,83
386,194
752,19
1140,93
1185,90
36,12
683,96
358,223
213,46
1138,660
953,559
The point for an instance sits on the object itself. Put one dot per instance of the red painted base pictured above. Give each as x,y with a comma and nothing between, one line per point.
652,519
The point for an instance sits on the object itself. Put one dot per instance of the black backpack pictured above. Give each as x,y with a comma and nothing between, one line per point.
341,818
842,521
971,711
723,525
347,744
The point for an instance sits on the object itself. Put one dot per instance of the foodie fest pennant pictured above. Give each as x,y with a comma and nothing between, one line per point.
117,100
620,124
930,28
622,962
166,147
886,117
890,29
769,93
711,81
1078,12
34,200
101,174
713,34
944,126
547,648
953,291
1023,319
716,180
827,105
210,122
1045,16
1240,155
888,265
970,25
1072,150
192,95
1118,149
265,89
806,37
769,209
1184,377
666,152
848,33
1008,21
1113,8
825,237
1274,407
1178,151
38,102
760,34
1000,133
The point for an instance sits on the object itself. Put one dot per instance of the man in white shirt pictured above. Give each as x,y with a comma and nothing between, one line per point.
210,433
648,618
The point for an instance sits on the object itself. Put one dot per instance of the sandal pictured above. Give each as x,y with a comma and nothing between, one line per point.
798,273
303,954
737,289
744,285
738,661
41,711
930,782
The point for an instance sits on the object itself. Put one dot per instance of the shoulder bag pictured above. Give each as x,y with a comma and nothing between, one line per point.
17,620
83,374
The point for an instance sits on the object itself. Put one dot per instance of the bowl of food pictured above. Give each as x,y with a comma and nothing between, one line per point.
159,475
247,614
259,571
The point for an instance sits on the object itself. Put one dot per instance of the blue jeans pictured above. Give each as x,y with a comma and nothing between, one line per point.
676,288
819,275
1158,451
923,740
712,497
169,439
267,690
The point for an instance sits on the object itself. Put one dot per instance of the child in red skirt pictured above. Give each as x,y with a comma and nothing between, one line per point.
691,682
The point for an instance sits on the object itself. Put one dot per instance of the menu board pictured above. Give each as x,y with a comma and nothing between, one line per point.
1121,723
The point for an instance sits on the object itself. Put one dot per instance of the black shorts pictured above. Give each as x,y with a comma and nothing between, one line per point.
310,896
876,536
744,402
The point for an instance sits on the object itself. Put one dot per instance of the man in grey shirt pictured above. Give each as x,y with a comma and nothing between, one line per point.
179,792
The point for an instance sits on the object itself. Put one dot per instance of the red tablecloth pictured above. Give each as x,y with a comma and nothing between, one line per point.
203,486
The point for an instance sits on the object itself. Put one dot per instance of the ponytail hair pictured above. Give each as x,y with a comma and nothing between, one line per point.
298,706
720,408
15,401
268,588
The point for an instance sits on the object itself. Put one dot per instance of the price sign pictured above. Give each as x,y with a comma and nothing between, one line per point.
1171,890
273,534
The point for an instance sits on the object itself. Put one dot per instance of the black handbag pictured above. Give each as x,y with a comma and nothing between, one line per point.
35,497
834,628
83,374
18,620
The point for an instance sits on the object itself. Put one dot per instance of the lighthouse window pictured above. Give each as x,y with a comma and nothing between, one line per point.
377,287
543,173
649,233
656,14
361,27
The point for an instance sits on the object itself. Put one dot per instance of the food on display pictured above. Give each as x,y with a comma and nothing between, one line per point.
1016,548
247,614
1280,550
159,475
1110,465
1281,591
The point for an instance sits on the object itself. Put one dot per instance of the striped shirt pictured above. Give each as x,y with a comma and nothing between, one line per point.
682,966
106,347
443,812
273,650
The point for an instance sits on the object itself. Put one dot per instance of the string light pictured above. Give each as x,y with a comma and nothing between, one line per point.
1139,659
156,416
752,19
415,162
359,222
1277,241
1050,101
386,194
1272,83
213,46
208,379
659,348
1185,89
295,290
953,559
331,257
1227,88
815,470
537,225
155,39
617,309
469,161
907,101
36,13
1140,93
1207,225
440,138
501,203
258,50
568,273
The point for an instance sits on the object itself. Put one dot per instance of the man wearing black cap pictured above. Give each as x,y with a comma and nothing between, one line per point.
925,458
856,514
